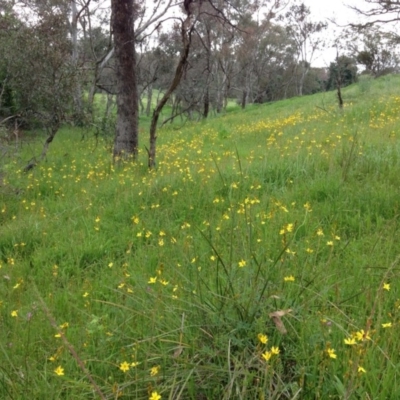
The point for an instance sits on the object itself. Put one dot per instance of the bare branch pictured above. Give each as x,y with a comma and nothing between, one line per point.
84,7
177,114
106,59
379,8
155,17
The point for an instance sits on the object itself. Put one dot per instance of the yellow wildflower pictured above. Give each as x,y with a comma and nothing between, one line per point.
275,350
135,364
267,355
59,370
289,278
155,370
262,338
155,396
124,366
331,353
386,286
361,335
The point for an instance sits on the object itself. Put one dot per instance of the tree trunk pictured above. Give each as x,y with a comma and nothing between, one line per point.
127,135
78,111
339,91
141,105
186,34
227,88
149,99
218,100
339,82
110,101
92,92
244,98
304,73
206,108
206,99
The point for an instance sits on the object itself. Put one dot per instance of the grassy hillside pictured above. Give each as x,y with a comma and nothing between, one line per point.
259,261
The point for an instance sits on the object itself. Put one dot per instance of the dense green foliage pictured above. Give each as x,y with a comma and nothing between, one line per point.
343,72
259,261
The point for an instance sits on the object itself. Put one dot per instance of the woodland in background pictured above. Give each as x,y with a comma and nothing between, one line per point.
57,55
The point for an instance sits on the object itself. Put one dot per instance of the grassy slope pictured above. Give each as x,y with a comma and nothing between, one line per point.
172,275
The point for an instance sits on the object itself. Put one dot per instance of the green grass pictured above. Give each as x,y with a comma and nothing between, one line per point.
279,220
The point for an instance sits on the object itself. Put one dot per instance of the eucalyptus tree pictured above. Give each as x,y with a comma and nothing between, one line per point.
248,46
8,24
342,72
385,14
264,52
273,65
129,23
36,52
46,59
376,50
126,139
307,35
